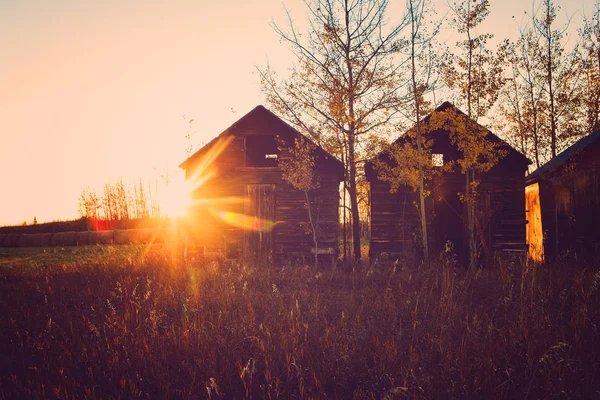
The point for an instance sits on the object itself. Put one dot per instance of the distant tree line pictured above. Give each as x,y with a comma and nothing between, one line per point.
120,202
48,227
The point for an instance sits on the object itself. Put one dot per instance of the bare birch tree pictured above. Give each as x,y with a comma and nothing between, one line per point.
475,72
590,41
420,44
299,171
343,90
521,107
410,162
560,76
550,93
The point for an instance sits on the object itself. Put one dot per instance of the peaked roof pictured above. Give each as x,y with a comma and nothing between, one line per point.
562,158
282,128
447,106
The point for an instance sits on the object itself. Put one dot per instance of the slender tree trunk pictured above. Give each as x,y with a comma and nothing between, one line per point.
345,233
549,71
469,172
352,141
519,113
353,200
596,123
534,109
536,141
423,213
417,101
534,128
471,223
313,229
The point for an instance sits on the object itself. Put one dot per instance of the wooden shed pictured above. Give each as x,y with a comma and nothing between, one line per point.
500,213
243,207
567,193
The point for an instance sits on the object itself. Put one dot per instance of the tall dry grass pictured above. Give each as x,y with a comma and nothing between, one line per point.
147,327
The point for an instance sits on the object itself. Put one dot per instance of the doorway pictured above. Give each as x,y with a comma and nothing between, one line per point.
260,207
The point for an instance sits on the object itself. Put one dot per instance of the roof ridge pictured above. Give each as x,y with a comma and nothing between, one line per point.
563,157
258,108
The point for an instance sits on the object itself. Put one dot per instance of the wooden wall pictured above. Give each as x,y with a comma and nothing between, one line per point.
508,226
395,225
221,220
535,229
570,203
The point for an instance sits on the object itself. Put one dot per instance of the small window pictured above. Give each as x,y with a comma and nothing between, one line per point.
261,151
437,160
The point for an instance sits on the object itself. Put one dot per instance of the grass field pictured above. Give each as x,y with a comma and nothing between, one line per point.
136,322
15,258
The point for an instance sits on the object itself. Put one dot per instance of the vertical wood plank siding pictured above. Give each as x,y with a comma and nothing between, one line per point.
232,184
570,205
500,209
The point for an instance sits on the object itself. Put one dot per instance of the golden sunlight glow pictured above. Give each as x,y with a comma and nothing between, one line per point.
535,234
176,198
202,173
243,221
204,170
215,202
94,67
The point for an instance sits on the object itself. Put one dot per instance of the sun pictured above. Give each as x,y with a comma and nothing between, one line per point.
176,198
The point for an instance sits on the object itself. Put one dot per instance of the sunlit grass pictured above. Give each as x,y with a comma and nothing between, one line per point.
131,321
19,257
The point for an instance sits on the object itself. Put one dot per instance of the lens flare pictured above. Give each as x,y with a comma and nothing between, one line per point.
218,201
176,199
243,221
202,171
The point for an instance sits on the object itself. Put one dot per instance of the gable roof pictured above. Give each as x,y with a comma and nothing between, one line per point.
447,106
262,117
562,158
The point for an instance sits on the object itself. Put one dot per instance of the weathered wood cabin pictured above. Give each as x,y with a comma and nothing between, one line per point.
241,204
566,191
500,220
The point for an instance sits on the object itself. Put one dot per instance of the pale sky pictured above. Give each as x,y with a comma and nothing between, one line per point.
93,91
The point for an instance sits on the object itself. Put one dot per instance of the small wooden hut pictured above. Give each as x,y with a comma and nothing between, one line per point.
500,222
241,204
565,195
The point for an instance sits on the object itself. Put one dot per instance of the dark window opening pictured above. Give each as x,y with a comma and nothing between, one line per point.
261,151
